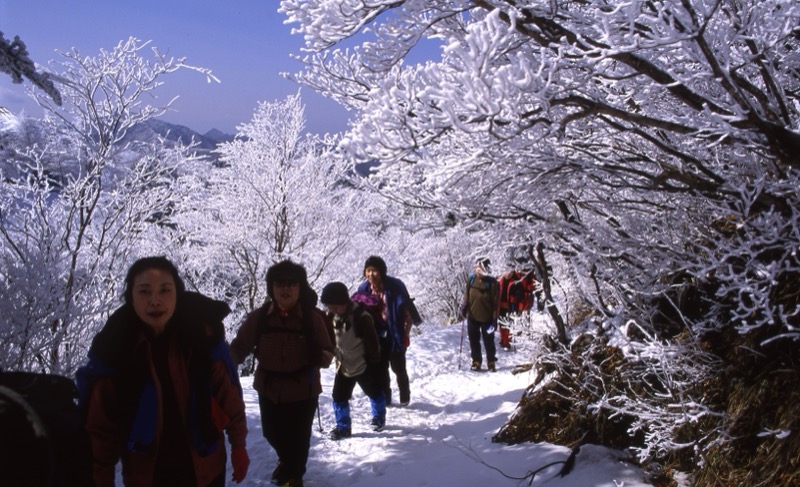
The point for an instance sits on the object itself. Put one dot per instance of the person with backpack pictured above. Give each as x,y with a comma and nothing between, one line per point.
291,343
357,359
160,387
505,307
399,314
480,308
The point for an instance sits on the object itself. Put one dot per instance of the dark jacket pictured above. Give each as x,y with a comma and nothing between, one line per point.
123,397
289,355
356,341
398,310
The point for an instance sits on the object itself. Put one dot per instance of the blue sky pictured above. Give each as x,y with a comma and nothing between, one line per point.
244,42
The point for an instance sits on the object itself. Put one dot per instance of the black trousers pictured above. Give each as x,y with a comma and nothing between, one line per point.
287,427
370,382
397,362
477,330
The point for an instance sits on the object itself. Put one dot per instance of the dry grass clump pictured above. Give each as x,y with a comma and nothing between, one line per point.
555,411
763,429
755,441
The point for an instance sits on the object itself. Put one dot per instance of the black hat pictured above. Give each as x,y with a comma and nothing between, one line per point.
377,263
335,293
286,271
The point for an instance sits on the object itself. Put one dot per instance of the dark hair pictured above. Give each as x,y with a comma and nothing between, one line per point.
286,270
335,293
145,263
377,263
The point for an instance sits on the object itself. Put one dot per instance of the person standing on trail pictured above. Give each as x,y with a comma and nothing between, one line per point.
357,359
291,343
480,308
160,388
399,315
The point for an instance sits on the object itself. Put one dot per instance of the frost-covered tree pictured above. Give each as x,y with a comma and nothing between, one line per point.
277,193
627,120
651,144
15,61
77,211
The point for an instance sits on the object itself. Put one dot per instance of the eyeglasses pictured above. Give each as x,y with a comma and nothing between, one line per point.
286,283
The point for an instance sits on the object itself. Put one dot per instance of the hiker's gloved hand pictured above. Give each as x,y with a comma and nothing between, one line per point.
240,462
491,327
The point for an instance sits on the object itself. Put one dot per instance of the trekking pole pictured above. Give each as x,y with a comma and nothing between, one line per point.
319,419
461,347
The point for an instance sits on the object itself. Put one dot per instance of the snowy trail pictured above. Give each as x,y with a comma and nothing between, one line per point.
443,437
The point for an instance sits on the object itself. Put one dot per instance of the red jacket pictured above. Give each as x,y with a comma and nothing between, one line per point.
108,436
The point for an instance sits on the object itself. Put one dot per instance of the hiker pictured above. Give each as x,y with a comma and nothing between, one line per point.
480,309
160,387
291,343
517,294
399,315
522,292
503,306
357,359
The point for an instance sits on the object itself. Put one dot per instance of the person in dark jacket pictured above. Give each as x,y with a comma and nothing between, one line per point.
291,344
399,315
160,387
480,308
357,359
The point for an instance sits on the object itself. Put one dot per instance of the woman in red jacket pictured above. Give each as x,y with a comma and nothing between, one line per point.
160,387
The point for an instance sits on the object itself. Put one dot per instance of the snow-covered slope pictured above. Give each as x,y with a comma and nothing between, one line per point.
443,438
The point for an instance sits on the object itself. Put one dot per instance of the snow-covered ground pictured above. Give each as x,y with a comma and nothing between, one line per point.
443,437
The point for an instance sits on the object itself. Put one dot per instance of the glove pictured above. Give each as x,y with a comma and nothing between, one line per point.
240,462
462,310
491,327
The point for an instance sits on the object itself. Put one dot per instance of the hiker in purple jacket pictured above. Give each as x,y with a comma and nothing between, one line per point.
399,315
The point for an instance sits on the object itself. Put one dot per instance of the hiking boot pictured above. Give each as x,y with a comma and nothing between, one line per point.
378,424
338,433
279,476
475,365
293,483
491,367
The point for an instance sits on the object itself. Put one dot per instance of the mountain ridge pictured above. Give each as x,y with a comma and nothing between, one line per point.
142,131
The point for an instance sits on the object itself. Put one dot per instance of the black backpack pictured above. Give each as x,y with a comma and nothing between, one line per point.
42,438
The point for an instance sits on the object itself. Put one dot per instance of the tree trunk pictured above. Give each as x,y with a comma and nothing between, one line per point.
544,279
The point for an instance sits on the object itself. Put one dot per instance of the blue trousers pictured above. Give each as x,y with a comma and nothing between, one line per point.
370,382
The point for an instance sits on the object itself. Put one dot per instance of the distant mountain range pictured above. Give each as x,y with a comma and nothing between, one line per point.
11,126
179,133
17,134
144,131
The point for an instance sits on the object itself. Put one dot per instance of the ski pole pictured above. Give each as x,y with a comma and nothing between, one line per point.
461,347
